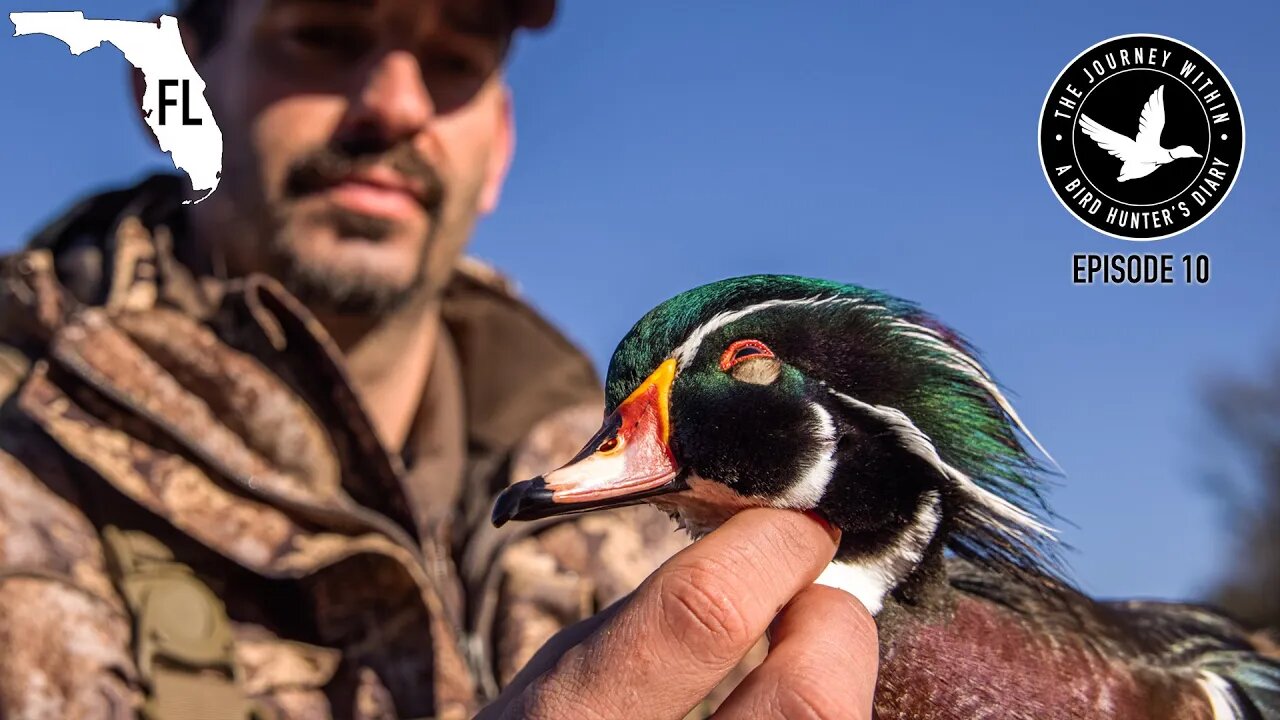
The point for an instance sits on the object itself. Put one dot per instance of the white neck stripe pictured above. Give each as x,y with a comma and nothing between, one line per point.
1221,699
1008,515
871,579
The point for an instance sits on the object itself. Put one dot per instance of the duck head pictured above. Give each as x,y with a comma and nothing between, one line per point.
1184,151
806,394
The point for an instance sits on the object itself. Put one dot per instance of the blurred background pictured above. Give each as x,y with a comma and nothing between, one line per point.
666,144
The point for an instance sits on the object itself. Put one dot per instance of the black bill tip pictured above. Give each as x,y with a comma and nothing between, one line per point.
525,500
531,500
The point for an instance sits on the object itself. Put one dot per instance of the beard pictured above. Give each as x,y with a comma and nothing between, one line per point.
346,280
342,290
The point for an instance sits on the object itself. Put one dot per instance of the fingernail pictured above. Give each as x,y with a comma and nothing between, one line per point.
832,530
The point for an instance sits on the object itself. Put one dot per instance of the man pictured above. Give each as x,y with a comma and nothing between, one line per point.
248,447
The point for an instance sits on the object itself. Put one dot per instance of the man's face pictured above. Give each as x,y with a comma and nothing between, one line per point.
362,139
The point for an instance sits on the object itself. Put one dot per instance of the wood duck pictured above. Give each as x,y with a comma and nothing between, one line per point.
813,395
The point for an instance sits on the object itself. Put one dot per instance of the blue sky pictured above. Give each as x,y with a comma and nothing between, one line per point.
666,144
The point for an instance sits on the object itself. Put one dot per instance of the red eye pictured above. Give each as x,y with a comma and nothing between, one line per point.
743,350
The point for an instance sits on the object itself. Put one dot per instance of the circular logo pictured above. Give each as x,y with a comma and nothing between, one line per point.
1141,137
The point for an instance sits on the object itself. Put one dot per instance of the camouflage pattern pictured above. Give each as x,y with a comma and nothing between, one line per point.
215,415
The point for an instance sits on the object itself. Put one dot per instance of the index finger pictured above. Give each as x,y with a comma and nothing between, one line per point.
689,623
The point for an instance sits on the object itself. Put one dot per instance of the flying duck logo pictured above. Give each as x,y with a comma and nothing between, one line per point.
1141,137
1143,154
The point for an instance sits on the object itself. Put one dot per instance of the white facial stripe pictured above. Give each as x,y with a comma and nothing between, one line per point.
1003,512
871,579
688,350
964,363
812,483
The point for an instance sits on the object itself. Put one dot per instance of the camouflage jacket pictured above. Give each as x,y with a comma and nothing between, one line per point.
144,400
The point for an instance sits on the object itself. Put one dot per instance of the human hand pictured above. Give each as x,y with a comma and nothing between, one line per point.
657,653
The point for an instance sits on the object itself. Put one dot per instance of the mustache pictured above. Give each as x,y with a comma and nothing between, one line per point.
329,165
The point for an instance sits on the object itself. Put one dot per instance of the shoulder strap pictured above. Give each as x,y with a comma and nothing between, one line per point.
182,640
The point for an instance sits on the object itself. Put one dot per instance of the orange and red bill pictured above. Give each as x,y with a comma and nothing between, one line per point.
628,460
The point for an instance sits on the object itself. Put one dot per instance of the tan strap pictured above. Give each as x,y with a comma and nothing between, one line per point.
179,694
182,640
